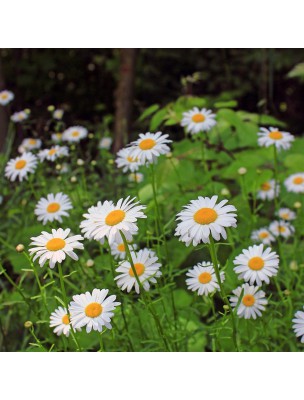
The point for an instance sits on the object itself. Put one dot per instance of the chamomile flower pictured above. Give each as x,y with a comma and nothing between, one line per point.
74,134
196,120
93,310
6,97
286,214
268,137
105,143
53,207
108,219
253,301
118,249
281,228
21,166
61,321
56,137
125,161
53,153
55,246
202,278
295,183
262,235
136,177
31,144
256,265
202,218
298,324
147,269
267,190
149,147
19,116
58,114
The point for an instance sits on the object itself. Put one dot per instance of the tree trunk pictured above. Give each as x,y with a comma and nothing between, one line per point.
124,97
3,113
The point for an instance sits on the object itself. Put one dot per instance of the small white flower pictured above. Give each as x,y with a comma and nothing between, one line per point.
74,134
19,116
267,190
21,166
55,246
105,143
92,310
298,324
58,114
146,267
53,153
281,228
125,161
286,214
253,301
197,120
256,265
30,144
262,235
53,207
203,279
61,321
6,97
149,147
268,137
118,249
136,177
295,183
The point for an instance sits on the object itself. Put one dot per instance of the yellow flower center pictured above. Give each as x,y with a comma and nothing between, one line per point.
266,186
248,300
147,144
298,180
93,310
205,216
275,135
256,263
65,319
4,96
263,235
282,229
53,207
198,118
55,244
205,277
115,217
32,141
139,268
285,215
20,164
75,133
52,151
121,247
131,159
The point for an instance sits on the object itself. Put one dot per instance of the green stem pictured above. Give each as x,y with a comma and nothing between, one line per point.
203,148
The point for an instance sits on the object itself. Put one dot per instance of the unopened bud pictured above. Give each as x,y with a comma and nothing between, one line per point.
58,167
169,155
90,263
51,108
27,111
111,162
225,192
28,324
242,171
90,135
293,265
80,162
93,162
20,248
226,308
286,292
73,179
297,204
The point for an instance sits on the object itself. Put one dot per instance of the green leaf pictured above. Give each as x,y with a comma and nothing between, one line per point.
148,111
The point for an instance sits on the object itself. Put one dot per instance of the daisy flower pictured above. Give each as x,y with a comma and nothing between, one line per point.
61,321
149,147
202,218
136,177
58,114
146,267
55,246
196,120
252,303
53,153
267,190
281,228
298,324
75,134
56,137
92,310
268,137
6,97
118,249
262,235
125,161
108,219
295,183
105,143
203,279
19,116
30,144
286,214
53,207
21,166
256,265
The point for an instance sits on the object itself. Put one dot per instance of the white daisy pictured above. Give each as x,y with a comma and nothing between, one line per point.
53,153
146,267
58,114
6,97
149,147
61,321
262,235
125,161
286,214
55,246
118,249
19,116
203,279
256,265
202,218
74,134
31,144
267,190
105,143
136,177
197,120
108,219
92,310
53,207
298,324
56,137
281,228
268,137
295,183
21,166
252,303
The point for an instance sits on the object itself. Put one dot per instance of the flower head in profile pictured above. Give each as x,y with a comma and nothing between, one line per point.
202,278
74,134
273,136
286,214
31,144
298,325
149,147
202,218
55,246
53,207
58,114
56,137
53,153
295,183
19,116
136,177
267,190
281,228
262,235
105,143
20,167
147,269
61,321
256,265
6,97
252,303
93,310
197,120
125,161
118,249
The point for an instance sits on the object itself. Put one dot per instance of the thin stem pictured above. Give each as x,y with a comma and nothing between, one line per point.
203,148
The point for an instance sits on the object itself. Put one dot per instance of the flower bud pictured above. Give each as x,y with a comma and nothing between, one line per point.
51,108
73,179
89,263
80,162
225,192
20,248
28,324
242,171
297,204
